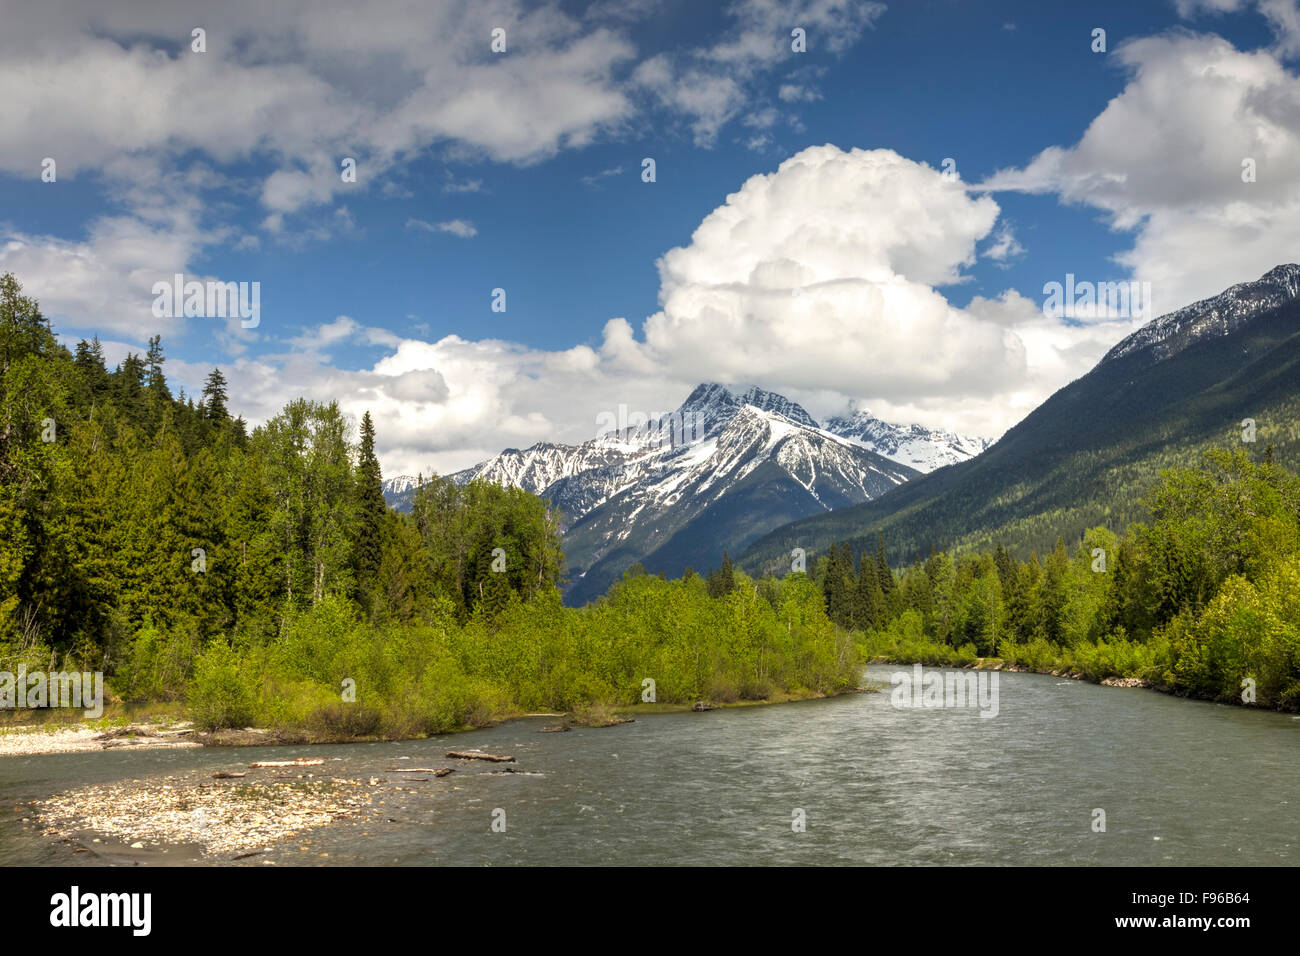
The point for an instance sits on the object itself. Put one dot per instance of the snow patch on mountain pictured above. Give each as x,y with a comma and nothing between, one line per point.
399,485
1216,316
916,446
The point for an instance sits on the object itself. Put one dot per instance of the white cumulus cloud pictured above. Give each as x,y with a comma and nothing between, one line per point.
1168,159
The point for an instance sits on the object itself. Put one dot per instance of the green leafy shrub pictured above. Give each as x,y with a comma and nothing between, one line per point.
221,693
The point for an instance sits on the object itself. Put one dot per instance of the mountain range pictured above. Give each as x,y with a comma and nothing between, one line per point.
720,471
749,471
1184,382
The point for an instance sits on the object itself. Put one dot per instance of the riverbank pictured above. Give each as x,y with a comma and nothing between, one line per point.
998,664
241,811
25,740
49,737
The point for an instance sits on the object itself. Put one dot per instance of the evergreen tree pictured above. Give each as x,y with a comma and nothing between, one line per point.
1005,564
726,574
214,397
370,512
128,392
721,582
157,383
253,547
34,409
403,586
1051,605
89,362
868,599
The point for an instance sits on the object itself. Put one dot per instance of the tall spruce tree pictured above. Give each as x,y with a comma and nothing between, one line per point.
868,601
370,511
156,382
726,574
89,362
214,397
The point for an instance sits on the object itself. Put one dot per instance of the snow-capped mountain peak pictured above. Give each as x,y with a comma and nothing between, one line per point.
711,406
727,465
916,446
772,402
1218,315
399,485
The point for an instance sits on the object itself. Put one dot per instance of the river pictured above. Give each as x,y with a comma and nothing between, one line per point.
1181,783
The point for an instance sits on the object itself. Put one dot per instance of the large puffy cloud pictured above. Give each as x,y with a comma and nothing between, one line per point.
823,273
1165,159
107,279
820,279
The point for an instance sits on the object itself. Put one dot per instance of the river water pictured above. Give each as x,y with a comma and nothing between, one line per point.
1181,783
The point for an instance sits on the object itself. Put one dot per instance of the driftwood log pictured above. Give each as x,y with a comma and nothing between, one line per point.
300,762
131,731
222,775
436,771
477,755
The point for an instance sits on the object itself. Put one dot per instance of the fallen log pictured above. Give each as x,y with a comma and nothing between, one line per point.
222,775
129,731
436,771
300,762
479,755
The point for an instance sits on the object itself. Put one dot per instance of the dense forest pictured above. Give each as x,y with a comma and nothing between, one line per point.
259,578
1202,600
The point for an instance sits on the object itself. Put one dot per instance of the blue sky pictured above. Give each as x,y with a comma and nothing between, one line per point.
522,170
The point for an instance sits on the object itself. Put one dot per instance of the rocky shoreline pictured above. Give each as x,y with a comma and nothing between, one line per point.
32,739
84,738
219,816
29,740
261,811
997,664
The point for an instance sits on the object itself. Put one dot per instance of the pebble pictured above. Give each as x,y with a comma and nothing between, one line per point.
233,819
